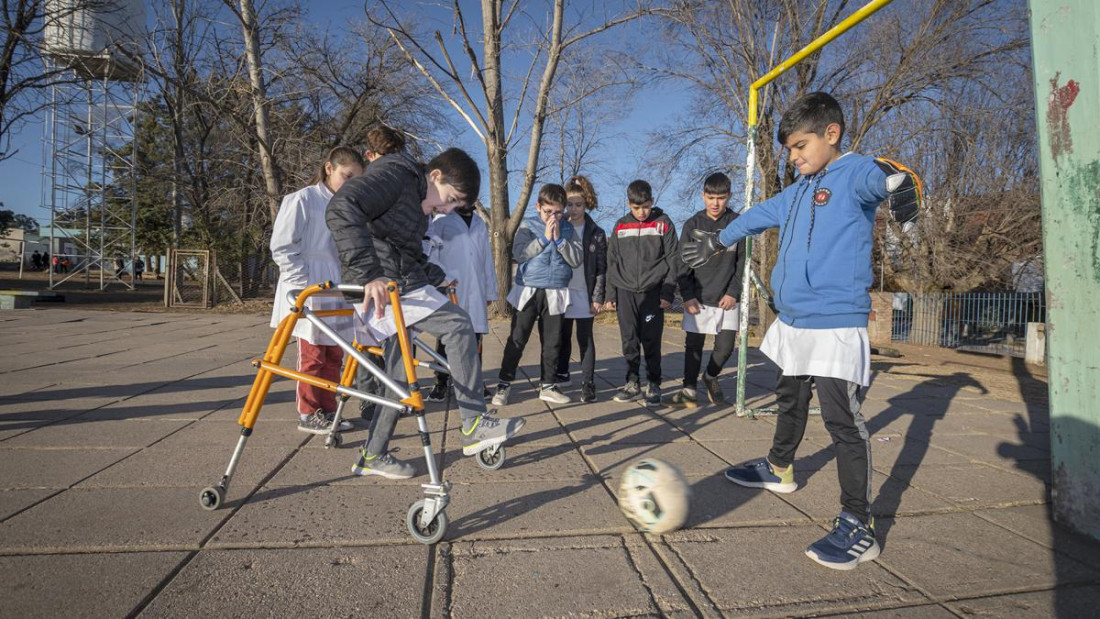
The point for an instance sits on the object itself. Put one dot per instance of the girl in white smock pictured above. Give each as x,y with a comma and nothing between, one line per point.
459,243
303,249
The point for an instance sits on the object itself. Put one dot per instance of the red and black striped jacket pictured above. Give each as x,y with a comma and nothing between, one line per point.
642,255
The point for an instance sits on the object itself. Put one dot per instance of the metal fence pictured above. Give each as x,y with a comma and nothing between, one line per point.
993,322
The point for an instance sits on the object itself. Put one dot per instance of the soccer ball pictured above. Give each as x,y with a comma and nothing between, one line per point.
654,495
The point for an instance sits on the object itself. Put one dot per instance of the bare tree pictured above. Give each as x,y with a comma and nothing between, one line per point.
529,95
903,62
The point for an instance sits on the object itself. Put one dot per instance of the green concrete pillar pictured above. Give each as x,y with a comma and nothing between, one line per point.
1065,38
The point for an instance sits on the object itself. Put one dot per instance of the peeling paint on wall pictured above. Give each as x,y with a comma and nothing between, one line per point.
1061,97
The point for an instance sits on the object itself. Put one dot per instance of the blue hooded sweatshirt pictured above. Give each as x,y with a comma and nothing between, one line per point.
823,270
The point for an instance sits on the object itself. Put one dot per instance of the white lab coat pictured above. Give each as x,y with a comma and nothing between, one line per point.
305,253
464,254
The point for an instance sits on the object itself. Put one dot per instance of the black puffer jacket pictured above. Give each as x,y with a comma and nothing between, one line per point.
378,225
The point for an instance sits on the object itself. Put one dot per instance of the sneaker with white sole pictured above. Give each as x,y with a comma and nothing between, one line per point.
849,543
551,393
629,392
588,392
761,474
384,465
501,396
489,432
321,423
653,394
684,398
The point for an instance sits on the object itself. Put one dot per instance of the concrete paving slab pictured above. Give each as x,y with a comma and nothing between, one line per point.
818,495
708,424
692,459
487,510
380,581
111,519
715,502
288,516
54,468
992,449
931,611
213,438
13,501
1034,523
84,432
627,427
591,576
1060,602
177,467
523,463
951,555
762,556
81,585
314,464
974,485
890,451
810,455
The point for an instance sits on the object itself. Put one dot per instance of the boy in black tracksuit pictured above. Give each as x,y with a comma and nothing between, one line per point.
711,295
642,265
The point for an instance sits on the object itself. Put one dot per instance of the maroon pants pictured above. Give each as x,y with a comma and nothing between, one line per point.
322,362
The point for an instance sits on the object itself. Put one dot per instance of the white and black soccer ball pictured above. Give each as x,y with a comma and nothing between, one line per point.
654,495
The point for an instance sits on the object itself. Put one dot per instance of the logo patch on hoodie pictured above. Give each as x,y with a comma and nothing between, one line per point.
821,196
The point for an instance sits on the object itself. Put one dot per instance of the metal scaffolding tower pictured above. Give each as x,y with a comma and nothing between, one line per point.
89,169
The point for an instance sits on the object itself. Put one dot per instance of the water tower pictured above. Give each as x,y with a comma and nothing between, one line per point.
89,161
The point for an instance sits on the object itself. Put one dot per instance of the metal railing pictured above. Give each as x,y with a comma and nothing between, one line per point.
993,322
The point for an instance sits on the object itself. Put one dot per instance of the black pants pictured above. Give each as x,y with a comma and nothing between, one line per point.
840,410
693,354
586,348
443,378
641,322
523,322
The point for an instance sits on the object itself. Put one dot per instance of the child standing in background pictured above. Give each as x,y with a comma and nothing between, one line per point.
303,249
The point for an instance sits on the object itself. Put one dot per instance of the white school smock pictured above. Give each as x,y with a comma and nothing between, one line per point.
303,249
463,253
843,352
711,319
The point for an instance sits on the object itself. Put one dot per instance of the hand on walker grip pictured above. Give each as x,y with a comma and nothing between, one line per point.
375,292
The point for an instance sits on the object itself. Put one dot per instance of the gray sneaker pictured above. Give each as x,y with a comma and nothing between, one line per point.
344,426
384,465
489,432
501,397
630,391
551,393
653,394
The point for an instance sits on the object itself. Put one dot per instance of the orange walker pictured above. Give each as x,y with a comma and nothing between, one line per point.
426,519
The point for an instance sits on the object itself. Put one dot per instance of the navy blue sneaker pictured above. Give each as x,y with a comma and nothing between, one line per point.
761,474
849,543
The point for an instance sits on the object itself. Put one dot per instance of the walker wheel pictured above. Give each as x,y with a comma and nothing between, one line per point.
211,497
332,440
434,531
491,459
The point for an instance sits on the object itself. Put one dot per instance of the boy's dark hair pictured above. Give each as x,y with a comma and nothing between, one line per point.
341,155
639,192
717,184
384,140
552,194
812,112
458,170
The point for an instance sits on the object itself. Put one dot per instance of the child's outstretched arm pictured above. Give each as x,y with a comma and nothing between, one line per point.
706,245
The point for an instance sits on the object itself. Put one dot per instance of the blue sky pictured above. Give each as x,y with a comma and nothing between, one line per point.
21,177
